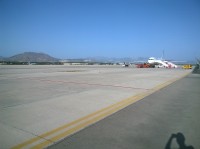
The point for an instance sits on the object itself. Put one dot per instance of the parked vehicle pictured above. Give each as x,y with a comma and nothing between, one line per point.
187,66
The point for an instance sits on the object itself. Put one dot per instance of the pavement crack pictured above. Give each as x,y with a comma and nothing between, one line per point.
26,131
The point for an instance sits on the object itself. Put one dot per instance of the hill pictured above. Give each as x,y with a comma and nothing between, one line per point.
32,57
2,58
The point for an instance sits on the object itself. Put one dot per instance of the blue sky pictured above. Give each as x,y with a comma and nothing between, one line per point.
108,28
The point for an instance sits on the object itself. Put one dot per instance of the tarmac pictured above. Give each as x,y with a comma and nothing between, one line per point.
148,123
42,105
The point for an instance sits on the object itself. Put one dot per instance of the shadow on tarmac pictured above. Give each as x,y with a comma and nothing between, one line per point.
180,139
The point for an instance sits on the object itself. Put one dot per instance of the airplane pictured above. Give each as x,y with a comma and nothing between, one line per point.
161,63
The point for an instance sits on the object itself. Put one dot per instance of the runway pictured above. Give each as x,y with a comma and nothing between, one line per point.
41,105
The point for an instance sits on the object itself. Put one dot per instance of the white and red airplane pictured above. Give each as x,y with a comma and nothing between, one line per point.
161,63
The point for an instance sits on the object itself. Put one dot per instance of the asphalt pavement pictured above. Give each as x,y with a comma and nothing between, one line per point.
41,105
148,123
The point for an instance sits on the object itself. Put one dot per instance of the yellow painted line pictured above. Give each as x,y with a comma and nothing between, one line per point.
87,123
65,126
87,120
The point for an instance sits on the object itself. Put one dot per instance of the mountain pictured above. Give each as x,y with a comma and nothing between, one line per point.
32,57
117,60
2,58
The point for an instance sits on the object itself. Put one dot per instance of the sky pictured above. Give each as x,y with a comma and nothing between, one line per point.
101,28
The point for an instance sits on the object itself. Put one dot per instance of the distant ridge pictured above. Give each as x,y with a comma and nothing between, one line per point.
32,57
2,58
